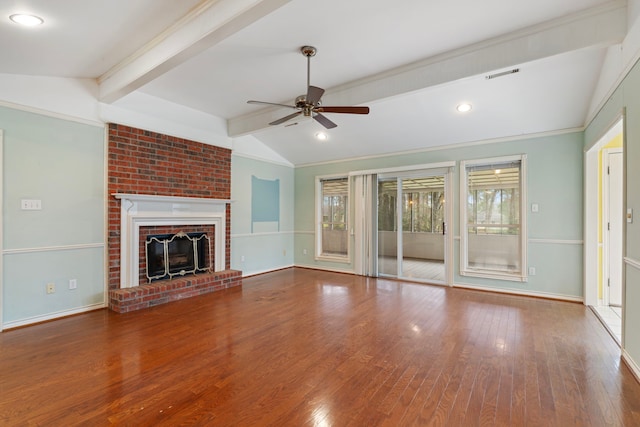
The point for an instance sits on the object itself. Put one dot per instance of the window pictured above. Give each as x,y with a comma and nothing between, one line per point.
332,235
493,218
422,205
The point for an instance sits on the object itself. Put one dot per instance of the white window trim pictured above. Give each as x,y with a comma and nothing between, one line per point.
319,256
489,274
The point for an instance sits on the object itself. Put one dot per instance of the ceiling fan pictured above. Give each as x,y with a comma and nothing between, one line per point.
309,105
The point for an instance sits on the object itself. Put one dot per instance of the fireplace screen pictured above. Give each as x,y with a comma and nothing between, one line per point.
169,255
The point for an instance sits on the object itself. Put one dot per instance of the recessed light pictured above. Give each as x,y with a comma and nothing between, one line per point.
464,107
26,20
321,136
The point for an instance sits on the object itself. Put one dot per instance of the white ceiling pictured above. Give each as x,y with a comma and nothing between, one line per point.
410,61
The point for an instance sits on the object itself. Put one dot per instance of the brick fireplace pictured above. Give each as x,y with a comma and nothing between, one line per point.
156,180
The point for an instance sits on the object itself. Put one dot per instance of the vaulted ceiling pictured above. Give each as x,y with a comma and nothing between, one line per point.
411,61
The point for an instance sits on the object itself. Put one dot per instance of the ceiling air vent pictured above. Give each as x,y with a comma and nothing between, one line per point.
504,73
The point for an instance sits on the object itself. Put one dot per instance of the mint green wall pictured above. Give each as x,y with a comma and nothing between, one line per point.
266,248
61,163
554,182
625,98
24,286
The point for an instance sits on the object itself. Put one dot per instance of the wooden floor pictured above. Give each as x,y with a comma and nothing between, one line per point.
301,347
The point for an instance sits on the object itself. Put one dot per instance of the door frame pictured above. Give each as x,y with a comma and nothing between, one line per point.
591,209
447,172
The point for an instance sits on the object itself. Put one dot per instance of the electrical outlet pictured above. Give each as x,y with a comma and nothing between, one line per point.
532,271
242,258
304,252
51,288
73,284
284,252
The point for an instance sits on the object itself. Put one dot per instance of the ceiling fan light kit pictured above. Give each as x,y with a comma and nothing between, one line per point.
309,105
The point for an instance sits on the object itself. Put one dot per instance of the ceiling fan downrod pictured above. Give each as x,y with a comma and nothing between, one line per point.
308,51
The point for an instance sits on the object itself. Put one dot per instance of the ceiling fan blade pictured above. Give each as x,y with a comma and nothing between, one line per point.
314,94
270,103
347,110
285,118
324,121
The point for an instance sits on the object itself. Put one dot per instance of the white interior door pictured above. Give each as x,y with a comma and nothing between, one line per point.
614,229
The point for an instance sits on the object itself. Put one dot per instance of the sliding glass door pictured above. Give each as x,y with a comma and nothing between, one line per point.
412,214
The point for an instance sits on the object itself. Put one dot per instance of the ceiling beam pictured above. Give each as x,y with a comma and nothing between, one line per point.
597,27
204,26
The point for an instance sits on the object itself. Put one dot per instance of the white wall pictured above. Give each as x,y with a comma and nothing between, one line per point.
55,95
78,99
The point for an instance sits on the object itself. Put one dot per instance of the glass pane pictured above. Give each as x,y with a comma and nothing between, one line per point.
493,251
422,202
438,211
493,217
334,216
387,219
422,238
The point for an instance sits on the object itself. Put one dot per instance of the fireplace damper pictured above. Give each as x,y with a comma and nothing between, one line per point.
170,255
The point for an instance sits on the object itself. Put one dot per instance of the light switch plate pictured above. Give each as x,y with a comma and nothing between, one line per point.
31,204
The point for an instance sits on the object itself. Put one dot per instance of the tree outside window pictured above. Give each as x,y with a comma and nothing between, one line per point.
493,219
334,211
422,205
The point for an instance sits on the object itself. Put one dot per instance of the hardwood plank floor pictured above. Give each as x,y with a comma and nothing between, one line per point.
302,347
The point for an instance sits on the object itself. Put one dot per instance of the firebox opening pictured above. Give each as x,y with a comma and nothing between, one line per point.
169,255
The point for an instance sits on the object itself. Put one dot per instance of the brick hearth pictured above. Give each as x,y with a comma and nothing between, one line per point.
145,296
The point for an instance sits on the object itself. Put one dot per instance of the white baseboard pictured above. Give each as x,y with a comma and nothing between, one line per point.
51,316
270,270
520,292
323,268
628,360
311,267
632,262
